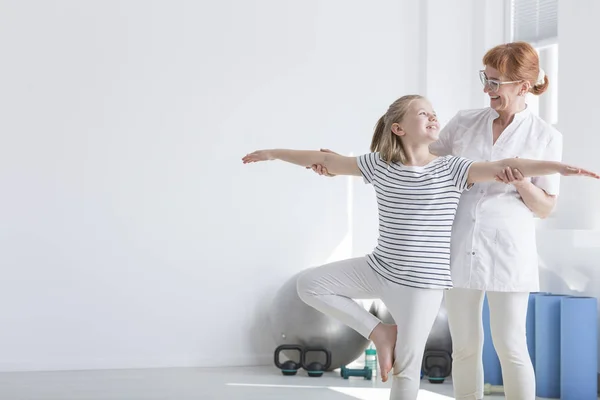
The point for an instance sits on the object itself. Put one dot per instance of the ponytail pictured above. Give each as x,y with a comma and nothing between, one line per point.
540,88
376,141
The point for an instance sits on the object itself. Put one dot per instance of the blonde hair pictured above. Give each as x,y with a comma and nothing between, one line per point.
388,144
517,61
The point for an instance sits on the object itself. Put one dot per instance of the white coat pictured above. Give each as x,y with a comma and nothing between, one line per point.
493,245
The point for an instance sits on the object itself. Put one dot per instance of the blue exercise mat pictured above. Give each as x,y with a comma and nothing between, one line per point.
578,348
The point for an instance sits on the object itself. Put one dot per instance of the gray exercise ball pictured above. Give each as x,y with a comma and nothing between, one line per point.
439,337
294,322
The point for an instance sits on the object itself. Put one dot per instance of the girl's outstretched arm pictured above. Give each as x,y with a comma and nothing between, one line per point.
487,171
335,163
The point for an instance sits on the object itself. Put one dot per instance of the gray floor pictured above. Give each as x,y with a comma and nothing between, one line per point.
189,383
250,383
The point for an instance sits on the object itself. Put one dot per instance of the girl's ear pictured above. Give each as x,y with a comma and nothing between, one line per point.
397,129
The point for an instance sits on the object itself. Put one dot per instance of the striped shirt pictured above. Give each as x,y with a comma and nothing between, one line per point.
416,206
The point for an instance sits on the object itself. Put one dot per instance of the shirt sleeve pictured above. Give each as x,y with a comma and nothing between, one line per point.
458,167
553,152
443,146
368,165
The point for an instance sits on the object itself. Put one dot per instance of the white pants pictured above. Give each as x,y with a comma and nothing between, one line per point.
331,288
508,313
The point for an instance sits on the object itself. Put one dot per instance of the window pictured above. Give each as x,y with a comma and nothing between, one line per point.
546,105
536,22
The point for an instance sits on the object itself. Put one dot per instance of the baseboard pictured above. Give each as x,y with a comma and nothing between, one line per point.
249,361
175,362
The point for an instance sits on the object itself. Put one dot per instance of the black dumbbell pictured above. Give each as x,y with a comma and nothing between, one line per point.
289,367
315,368
437,365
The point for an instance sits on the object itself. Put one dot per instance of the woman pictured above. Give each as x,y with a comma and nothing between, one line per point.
493,248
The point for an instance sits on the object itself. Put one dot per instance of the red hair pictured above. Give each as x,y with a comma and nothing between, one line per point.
517,61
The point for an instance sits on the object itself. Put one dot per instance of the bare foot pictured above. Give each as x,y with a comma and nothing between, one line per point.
384,339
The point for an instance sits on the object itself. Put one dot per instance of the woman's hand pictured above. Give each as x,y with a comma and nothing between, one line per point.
259,155
320,169
511,176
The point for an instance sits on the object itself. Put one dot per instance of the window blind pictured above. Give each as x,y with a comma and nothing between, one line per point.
534,21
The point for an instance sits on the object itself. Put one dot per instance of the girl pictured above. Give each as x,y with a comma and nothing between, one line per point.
417,195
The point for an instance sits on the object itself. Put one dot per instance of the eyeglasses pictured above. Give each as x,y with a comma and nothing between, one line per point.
493,84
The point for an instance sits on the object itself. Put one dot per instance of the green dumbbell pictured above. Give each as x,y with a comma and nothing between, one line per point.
492,389
365,372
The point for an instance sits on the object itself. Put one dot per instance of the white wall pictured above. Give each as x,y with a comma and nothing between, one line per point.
569,242
131,234
458,33
129,224
577,103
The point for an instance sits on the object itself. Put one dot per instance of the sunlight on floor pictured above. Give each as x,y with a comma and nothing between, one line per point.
356,392
384,394
277,386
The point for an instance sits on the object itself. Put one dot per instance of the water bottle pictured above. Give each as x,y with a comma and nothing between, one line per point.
371,359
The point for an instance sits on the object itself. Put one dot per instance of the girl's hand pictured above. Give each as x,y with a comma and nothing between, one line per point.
569,170
259,155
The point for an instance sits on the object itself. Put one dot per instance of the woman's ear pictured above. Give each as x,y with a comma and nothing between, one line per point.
397,129
524,89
